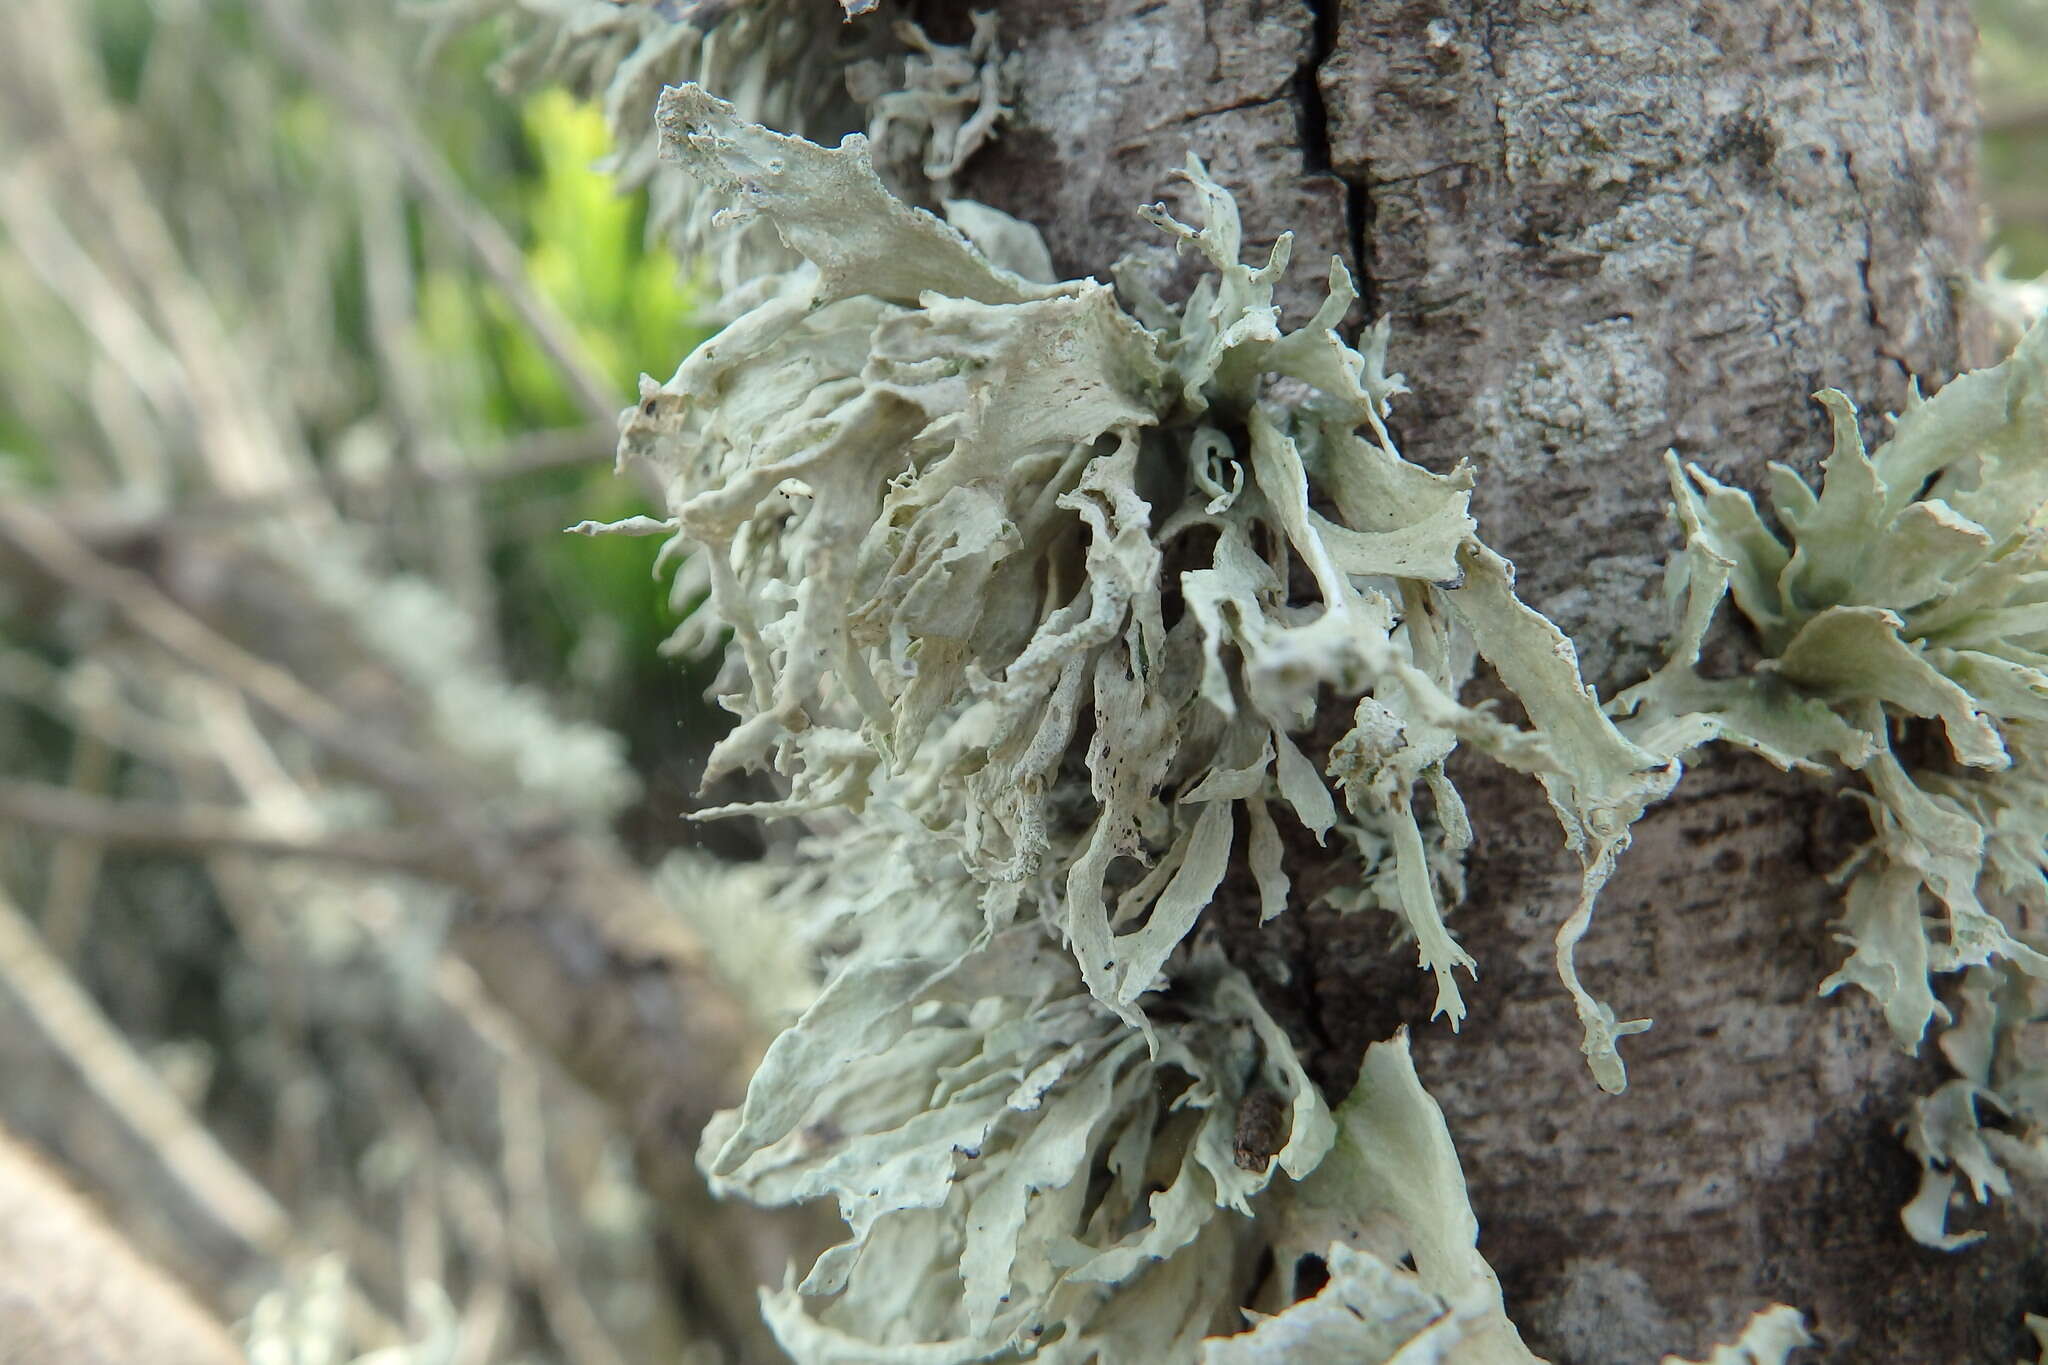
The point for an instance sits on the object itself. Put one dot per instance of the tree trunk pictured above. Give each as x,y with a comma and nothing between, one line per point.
1600,229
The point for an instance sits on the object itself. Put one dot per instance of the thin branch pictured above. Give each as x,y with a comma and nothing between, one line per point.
2021,120
98,519
186,828
131,1091
522,1130
30,681
75,862
160,619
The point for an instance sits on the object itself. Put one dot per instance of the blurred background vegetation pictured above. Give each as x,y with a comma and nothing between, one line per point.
342,890
2013,84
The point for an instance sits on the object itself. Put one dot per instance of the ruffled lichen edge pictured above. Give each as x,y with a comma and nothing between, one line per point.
1900,613
1030,594
804,66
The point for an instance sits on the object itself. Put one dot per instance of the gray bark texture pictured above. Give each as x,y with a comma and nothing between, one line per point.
1601,230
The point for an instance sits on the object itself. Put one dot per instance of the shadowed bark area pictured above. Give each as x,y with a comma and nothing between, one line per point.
1600,230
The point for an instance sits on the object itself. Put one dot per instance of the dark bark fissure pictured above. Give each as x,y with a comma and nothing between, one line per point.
1316,154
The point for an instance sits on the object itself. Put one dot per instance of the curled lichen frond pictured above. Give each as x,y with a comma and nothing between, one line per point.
1393,1194
2037,1327
1902,612
1996,1048
803,66
1004,1149
1913,587
1769,1338
952,516
1406,1281
1369,1313
934,105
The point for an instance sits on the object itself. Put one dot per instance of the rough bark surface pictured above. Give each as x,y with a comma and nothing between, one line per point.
1600,229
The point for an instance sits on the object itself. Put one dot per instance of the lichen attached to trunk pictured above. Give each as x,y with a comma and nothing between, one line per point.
1902,615
1035,595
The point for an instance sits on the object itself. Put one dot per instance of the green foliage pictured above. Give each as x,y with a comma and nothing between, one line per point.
587,256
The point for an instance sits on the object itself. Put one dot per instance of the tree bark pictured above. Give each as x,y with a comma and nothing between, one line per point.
1600,229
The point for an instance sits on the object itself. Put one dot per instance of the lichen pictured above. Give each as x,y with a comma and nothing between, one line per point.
1995,1049
934,105
1769,1338
1036,598
1407,1281
803,66
951,515
544,760
1018,1170
1901,615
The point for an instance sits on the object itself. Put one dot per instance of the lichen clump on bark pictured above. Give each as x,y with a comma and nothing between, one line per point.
1034,596
1902,616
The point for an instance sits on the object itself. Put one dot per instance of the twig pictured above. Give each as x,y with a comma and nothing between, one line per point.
523,1139
459,542
160,619
28,680
2022,120
133,1093
72,276
187,828
75,863
244,445
99,518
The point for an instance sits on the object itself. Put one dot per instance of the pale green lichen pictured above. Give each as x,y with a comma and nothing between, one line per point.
545,760
1902,615
934,105
804,66
2038,1326
1407,1284
949,512
1770,1337
1030,594
1018,1170
1390,1192
1995,1048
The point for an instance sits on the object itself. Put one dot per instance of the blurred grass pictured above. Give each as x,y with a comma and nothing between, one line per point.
243,323
2013,84
579,617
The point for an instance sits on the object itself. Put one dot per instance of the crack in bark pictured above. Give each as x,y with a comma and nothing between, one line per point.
1211,111
1874,316
1318,156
